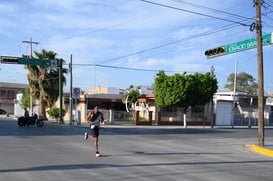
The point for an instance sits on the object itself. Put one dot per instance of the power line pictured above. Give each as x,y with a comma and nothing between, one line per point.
270,1
126,68
193,12
268,10
222,28
216,10
117,67
211,9
223,12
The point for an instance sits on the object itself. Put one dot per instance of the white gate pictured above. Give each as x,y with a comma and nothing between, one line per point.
224,113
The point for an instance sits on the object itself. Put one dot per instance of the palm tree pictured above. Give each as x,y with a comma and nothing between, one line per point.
52,85
44,82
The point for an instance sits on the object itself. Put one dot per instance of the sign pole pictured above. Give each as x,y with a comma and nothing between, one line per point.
211,102
234,93
70,94
260,73
61,121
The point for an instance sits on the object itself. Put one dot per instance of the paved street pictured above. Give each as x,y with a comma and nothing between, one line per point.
59,152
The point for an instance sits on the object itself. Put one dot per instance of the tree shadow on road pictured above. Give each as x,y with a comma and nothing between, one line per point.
11,128
94,166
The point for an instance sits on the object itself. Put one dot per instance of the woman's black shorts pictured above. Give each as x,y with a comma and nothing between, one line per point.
95,131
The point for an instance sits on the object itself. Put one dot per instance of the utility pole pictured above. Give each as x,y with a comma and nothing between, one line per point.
70,94
60,62
257,4
211,103
234,93
30,90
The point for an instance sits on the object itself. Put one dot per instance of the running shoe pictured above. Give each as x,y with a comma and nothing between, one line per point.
85,136
98,154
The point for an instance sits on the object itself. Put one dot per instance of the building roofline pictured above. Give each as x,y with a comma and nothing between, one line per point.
13,85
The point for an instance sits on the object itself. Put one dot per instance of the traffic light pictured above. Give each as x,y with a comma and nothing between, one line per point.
9,60
214,52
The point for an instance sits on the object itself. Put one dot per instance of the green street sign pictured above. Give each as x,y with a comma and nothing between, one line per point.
247,44
238,46
34,61
28,61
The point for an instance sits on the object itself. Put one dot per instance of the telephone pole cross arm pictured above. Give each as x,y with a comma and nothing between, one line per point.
30,43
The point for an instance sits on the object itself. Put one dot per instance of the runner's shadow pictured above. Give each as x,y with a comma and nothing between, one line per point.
162,153
177,153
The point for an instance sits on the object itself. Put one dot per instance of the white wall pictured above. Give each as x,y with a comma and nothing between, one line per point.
18,110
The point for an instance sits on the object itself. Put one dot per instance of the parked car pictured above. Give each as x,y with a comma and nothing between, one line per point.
2,111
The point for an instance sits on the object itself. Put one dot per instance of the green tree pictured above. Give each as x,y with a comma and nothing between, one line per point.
244,83
131,97
43,82
184,90
25,100
132,94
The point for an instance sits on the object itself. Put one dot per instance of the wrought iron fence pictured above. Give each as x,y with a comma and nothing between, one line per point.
123,117
243,120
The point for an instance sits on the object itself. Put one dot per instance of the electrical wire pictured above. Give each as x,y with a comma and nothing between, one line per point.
117,67
219,29
126,68
216,30
211,9
222,28
268,10
185,39
216,10
193,12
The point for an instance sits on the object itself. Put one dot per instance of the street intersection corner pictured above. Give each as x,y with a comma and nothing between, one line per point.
261,150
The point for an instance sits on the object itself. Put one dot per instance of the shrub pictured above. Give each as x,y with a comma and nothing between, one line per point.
55,114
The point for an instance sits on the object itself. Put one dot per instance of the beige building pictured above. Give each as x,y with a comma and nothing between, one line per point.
8,92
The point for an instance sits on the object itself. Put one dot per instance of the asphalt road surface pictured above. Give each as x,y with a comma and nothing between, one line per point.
59,152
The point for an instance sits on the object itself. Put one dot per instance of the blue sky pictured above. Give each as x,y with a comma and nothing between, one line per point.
130,40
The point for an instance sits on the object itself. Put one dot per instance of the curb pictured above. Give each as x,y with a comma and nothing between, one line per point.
261,150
